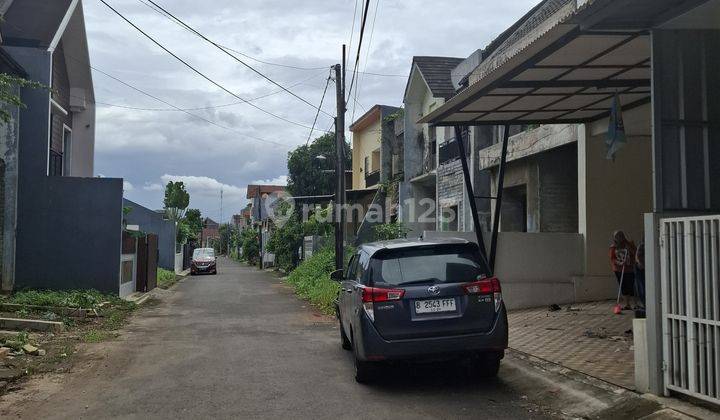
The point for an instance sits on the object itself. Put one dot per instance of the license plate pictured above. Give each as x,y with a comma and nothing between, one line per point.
434,305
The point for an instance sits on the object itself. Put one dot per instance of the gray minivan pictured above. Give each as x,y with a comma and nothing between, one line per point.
407,299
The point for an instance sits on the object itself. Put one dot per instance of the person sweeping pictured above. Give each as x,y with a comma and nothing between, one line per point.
622,261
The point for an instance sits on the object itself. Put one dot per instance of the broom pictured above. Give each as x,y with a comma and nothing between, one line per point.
617,309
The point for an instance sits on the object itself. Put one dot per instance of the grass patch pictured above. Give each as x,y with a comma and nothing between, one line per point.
311,280
86,299
165,278
95,336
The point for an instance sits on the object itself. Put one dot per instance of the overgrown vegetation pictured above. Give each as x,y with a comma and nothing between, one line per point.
395,115
165,278
250,246
389,231
311,280
8,93
305,171
286,239
85,299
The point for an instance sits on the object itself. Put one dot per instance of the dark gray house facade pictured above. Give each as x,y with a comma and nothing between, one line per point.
68,224
150,221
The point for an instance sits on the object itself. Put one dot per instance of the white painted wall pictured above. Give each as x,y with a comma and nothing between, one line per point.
364,142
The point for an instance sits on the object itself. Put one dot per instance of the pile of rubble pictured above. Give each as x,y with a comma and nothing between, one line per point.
15,344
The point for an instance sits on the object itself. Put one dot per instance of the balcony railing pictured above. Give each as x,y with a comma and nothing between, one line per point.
372,178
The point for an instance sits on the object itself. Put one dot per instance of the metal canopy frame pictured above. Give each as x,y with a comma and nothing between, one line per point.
561,87
556,90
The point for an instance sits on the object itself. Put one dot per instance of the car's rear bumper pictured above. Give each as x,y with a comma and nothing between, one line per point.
371,346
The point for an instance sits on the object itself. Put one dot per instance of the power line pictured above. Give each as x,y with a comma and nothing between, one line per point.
202,108
327,83
193,30
357,57
198,72
180,109
367,59
270,63
352,29
369,48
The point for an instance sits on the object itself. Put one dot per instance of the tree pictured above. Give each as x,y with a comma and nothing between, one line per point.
176,200
183,232
305,172
8,93
193,218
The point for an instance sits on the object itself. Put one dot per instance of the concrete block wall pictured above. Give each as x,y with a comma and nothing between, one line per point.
450,189
551,269
558,190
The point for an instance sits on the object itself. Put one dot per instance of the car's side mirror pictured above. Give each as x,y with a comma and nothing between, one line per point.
337,275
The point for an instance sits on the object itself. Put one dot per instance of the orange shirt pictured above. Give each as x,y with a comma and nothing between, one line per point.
622,256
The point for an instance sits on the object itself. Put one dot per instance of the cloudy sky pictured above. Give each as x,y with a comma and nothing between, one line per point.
148,143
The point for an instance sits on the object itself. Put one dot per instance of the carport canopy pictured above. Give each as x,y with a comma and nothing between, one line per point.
568,68
566,76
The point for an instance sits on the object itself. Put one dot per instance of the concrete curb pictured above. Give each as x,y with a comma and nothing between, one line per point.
576,394
31,324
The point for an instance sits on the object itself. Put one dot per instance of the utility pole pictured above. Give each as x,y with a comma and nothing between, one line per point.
259,195
340,163
221,218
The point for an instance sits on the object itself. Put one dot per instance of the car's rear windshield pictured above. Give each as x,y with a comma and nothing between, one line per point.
204,253
427,265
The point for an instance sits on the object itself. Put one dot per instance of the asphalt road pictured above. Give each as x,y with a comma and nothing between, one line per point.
241,345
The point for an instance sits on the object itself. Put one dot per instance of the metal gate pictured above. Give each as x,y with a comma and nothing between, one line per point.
147,258
690,285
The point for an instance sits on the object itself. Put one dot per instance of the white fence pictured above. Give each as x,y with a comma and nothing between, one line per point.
690,285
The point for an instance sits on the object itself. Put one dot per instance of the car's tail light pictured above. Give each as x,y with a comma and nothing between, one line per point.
374,294
371,295
486,287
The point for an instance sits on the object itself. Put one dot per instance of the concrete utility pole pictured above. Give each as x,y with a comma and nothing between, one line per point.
340,163
260,244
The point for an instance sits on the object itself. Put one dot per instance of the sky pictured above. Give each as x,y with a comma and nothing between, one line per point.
148,143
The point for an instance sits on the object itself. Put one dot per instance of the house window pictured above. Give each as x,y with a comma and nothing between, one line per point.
59,161
367,165
55,164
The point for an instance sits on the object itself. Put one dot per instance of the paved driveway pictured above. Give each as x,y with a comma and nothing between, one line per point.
240,345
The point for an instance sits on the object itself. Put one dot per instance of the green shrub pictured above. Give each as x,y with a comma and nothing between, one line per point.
311,280
165,278
250,246
285,241
388,231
